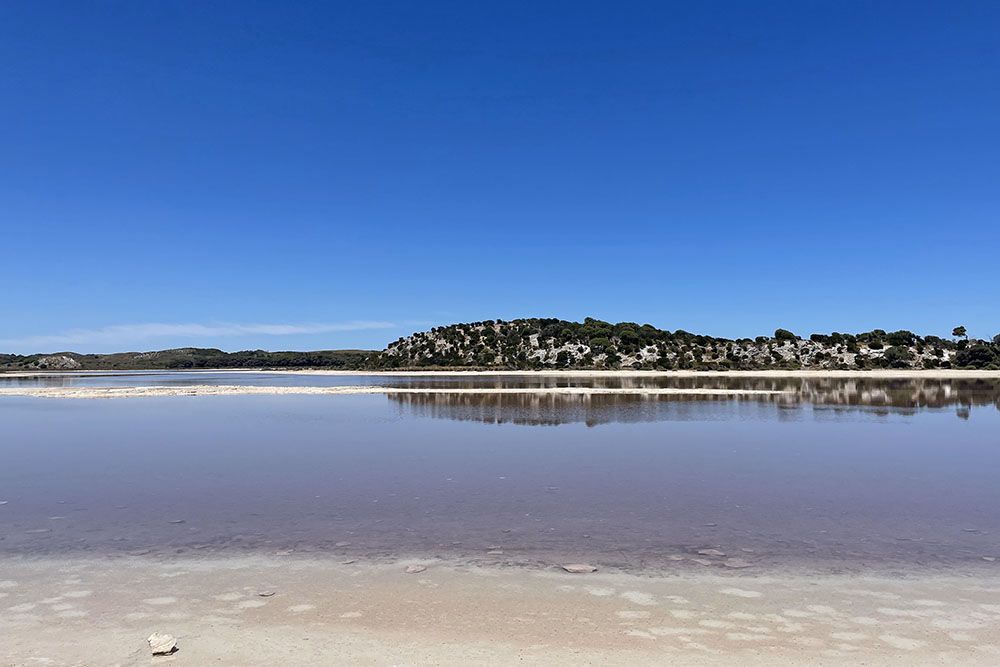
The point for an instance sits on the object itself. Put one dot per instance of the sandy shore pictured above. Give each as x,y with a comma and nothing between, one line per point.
877,374
271,610
226,390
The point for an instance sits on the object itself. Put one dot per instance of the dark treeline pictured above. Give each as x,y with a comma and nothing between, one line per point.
553,343
186,358
592,344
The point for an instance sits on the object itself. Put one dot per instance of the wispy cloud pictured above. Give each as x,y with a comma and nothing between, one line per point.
129,334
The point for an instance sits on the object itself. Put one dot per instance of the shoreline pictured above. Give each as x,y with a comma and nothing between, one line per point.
884,373
252,390
263,610
880,373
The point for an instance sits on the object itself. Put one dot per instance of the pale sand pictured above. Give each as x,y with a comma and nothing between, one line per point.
99,612
942,374
223,390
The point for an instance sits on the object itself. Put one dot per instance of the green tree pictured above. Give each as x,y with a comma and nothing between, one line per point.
898,356
905,338
975,356
599,344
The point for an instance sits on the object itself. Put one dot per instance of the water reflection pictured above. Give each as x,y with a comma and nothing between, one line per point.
796,395
555,409
765,480
876,396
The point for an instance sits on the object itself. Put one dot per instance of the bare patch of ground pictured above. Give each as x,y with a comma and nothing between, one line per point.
321,612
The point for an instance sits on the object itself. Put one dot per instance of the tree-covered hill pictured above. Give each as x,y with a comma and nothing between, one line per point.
186,358
540,343
552,343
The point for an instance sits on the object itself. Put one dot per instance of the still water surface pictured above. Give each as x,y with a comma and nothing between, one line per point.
845,474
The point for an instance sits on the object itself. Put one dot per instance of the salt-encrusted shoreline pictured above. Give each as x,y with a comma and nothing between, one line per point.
877,374
236,390
886,373
281,609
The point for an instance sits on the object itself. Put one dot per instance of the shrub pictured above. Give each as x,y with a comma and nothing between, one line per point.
898,356
600,344
975,356
906,338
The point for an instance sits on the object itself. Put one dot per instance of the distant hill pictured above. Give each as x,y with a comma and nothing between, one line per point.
186,357
540,343
551,343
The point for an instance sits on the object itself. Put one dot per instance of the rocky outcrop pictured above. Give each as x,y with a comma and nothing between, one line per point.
58,362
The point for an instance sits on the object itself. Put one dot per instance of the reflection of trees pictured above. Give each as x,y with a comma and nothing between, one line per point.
881,396
897,393
552,409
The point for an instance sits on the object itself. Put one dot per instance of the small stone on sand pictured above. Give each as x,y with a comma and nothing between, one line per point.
415,569
579,568
266,593
711,552
162,644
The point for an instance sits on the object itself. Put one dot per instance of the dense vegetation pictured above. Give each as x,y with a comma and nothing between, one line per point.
550,343
188,357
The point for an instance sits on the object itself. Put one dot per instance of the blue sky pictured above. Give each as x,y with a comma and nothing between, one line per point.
298,175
